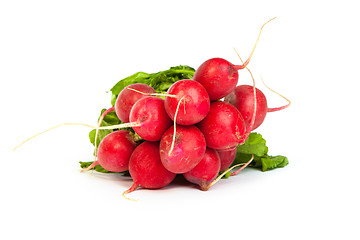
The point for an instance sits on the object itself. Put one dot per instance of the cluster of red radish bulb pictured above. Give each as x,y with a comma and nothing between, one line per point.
191,131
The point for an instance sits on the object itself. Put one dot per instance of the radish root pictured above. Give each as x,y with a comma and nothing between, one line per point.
244,64
174,135
240,169
248,131
277,108
94,164
131,189
63,124
205,188
123,125
153,94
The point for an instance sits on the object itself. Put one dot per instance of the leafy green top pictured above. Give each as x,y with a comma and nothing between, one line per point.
256,145
160,81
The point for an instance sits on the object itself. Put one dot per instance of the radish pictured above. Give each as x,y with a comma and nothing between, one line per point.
150,113
219,76
127,98
243,99
114,151
206,170
146,169
223,127
227,157
195,104
185,152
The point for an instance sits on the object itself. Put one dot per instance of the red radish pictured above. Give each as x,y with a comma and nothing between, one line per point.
146,169
127,98
185,152
219,76
206,170
243,99
195,104
114,151
223,127
227,157
150,113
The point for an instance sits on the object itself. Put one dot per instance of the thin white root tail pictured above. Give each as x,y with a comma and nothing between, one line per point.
253,50
251,124
131,189
244,166
94,164
153,94
60,125
124,125
174,135
277,108
228,170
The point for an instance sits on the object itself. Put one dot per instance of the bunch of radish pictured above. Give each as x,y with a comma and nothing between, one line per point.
193,129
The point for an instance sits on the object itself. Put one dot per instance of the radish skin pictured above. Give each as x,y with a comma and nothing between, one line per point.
146,169
150,113
114,151
223,127
127,98
206,170
195,104
189,148
227,157
243,99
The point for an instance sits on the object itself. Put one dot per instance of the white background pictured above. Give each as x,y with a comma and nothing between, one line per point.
58,59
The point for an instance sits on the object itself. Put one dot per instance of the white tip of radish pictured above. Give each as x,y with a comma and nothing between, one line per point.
131,189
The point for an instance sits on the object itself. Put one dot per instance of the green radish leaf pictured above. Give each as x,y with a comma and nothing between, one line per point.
109,119
255,144
102,133
99,168
271,162
139,77
160,81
